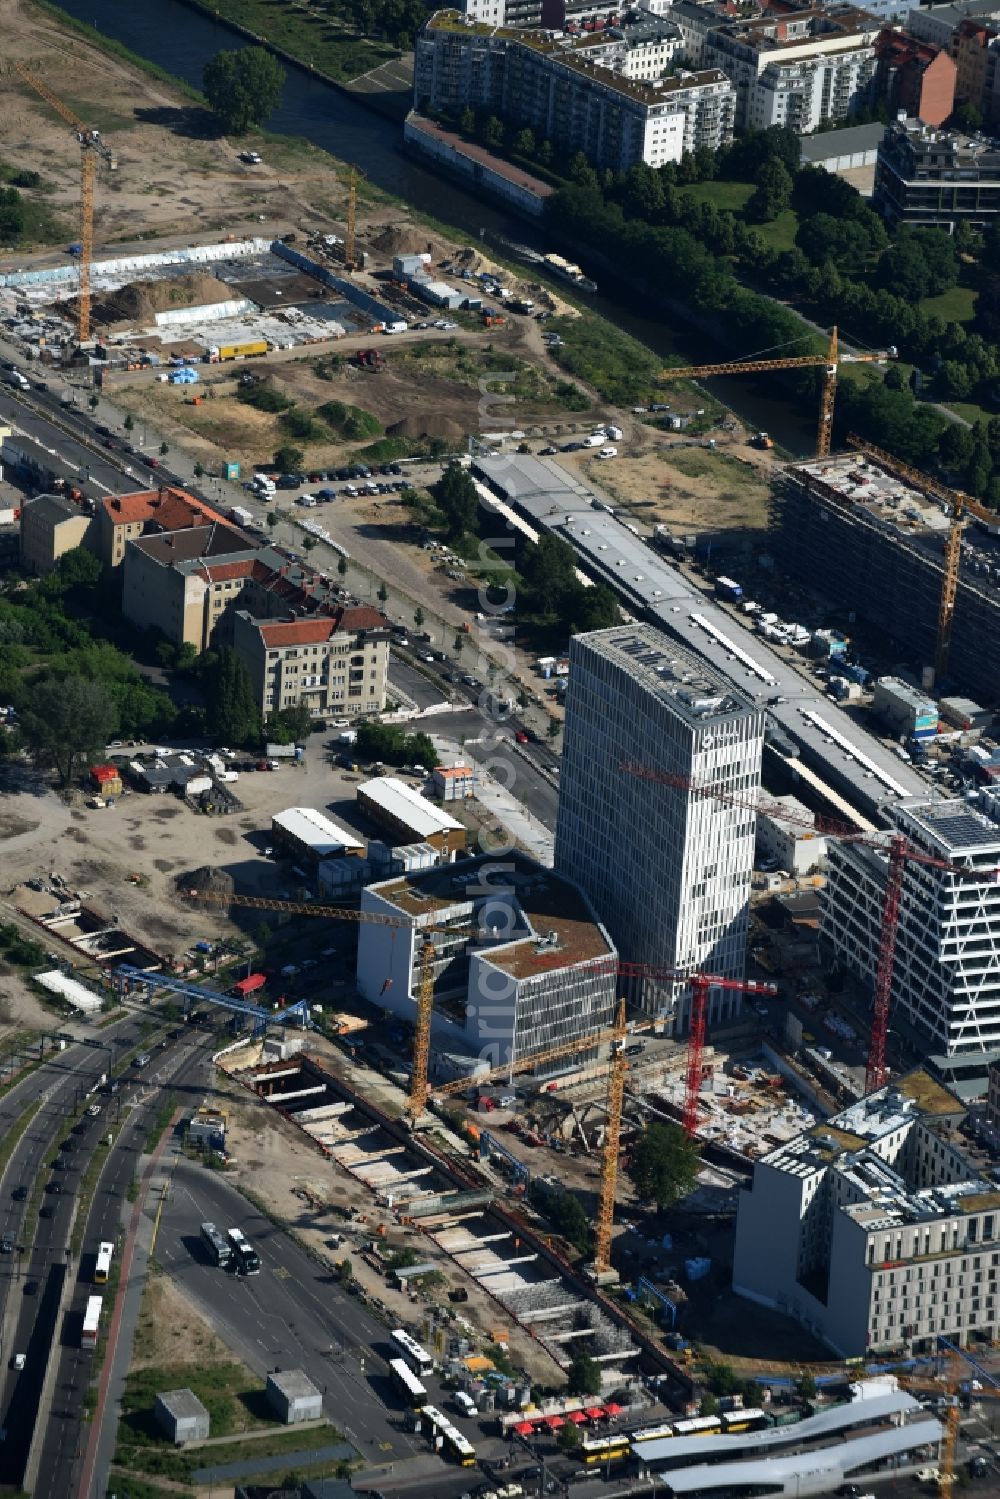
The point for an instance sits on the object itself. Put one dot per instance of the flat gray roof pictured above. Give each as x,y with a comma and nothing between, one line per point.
804,1473
840,1418
182,1404
293,1384
852,760
692,690
819,148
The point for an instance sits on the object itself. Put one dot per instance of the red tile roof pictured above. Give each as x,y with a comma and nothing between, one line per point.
222,572
319,629
298,632
104,773
172,509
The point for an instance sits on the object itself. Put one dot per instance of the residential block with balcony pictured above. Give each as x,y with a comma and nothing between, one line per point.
602,94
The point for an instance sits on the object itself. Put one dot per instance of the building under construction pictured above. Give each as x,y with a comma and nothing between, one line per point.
869,541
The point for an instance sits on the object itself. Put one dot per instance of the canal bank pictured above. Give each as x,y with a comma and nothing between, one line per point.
180,39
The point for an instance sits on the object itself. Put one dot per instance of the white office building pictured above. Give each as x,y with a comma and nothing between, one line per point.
874,1228
668,870
790,841
521,964
946,976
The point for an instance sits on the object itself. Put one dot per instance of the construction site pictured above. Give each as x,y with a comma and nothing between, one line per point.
875,538
450,1206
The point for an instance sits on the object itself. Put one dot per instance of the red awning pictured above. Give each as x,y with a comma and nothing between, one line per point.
554,1422
611,1409
577,1418
523,1428
594,1412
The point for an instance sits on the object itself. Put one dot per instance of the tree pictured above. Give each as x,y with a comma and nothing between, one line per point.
664,1164
272,520
243,88
164,449
456,498
458,644
383,594
129,422
569,1437
806,1386
773,192
93,401
584,1376
467,121
419,617
233,716
978,470
524,143
199,470
288,458
553,728
493,131
342,567
988,305
308,542
290,725
66,722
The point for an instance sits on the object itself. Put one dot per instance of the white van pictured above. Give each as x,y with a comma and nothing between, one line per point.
465,1403
594,440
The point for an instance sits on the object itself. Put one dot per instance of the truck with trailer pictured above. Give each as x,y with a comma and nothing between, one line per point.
253,348
240,515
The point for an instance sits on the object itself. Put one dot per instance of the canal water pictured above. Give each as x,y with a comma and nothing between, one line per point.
182,40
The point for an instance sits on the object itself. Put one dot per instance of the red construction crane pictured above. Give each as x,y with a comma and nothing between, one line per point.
899,852
699,984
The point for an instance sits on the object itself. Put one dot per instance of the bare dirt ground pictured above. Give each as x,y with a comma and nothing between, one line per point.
682,484
432,388
167,172
169,1331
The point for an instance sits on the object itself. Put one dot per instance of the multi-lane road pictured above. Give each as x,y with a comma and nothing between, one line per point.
31,1275
180,1066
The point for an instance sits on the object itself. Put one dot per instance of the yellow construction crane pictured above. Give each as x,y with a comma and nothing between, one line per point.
961,505
827,362
350,252
425,991
92,147
614,1036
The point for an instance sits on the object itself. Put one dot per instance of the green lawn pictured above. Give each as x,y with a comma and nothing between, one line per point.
779,235
733,197
729,196
956,305
316,39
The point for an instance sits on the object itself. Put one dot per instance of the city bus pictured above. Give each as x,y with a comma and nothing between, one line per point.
412,1390
408,1348
215,1245
245,1257
698,1426
605,1449
446,1437
743,1420
654,1433
91,1322
102,1268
